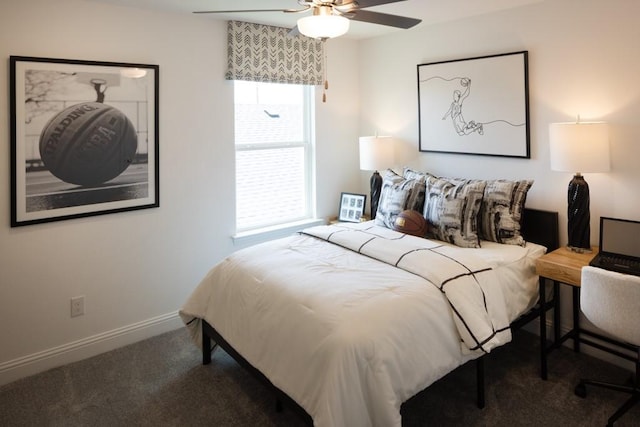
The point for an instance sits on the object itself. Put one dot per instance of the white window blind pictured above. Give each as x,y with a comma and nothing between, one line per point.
264,53
274,150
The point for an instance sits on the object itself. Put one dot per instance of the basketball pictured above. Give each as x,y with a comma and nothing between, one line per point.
410,222
88,143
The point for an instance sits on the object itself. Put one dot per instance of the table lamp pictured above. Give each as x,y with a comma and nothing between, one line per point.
579,147
376,153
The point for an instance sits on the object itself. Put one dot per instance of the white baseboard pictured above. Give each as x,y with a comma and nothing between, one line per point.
25,366
84,348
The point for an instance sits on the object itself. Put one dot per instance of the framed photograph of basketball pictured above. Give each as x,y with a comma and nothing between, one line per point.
84,138
476,106
351,207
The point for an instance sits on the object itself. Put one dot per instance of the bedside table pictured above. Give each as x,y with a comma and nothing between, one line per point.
561,266
335,220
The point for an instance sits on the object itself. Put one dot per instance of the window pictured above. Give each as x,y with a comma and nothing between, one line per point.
274,153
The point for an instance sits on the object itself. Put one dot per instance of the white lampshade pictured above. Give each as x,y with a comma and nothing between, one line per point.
323,26
579,147
376,152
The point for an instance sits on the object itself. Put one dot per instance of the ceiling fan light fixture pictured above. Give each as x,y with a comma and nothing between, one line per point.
323,26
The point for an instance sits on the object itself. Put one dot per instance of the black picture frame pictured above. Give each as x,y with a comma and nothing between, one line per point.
84,138
351,207
476,106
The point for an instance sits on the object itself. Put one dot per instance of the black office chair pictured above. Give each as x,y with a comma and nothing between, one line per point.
610,301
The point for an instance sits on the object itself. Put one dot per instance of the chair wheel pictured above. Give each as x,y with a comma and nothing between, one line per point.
580,390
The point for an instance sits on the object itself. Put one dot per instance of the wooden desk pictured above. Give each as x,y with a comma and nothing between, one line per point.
565,267
561,266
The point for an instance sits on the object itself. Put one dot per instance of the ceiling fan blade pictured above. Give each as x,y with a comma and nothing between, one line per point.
254,10
384,19
370,3
293,32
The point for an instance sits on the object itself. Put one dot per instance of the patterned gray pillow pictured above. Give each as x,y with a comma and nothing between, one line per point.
501,212
409,173
397,195
451,209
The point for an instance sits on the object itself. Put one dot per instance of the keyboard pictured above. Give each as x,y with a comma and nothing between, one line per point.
613,260
620,264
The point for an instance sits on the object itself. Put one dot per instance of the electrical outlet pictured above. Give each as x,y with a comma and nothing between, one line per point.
77,306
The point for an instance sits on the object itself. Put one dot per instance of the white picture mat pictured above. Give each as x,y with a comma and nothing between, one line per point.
492,107
135,97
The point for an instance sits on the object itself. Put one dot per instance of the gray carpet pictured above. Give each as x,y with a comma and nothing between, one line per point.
160,382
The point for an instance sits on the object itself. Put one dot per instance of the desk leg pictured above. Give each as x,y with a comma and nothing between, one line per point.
556,313
576,319
543,328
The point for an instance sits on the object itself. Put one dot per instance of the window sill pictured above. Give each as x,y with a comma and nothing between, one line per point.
260,235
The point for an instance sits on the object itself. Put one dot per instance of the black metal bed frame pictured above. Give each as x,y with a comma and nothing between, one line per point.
539,227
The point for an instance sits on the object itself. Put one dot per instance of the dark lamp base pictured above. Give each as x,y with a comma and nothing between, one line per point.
580,250
376,186
579,219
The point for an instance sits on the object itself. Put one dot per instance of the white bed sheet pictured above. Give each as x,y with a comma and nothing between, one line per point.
358,338
515,267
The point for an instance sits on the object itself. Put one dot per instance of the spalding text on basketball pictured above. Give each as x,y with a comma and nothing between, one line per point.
58,131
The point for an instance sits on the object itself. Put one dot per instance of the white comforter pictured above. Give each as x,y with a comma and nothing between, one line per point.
349,337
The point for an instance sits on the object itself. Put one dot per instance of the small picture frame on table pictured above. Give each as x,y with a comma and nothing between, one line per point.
351,207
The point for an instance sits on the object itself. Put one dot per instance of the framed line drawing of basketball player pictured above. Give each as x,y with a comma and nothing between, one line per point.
475,106
84,138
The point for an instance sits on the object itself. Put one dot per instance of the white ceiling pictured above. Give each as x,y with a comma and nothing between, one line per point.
430,11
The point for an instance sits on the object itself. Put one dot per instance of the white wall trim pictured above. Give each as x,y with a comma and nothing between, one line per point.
74,351
87,347
274,232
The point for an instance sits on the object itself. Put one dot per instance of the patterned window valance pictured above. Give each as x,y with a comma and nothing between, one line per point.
264,53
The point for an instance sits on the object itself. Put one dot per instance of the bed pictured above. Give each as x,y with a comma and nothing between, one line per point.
347,321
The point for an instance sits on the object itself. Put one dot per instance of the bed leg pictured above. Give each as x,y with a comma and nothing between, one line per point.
206,347
480,381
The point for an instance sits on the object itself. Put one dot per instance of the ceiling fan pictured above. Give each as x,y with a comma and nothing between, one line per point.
331,17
